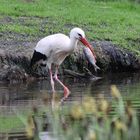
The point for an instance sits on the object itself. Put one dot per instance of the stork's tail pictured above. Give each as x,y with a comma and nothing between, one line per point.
37,56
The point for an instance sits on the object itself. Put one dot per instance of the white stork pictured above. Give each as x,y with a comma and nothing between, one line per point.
53,49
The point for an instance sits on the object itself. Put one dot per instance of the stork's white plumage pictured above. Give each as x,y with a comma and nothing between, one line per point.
55,48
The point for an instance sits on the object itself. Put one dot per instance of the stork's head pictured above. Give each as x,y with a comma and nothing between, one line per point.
79,34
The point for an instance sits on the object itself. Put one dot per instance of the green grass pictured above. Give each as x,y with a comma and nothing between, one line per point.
11,123
116,21
14,122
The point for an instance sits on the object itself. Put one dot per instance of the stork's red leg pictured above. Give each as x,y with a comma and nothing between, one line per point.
66,90
52,81
53,90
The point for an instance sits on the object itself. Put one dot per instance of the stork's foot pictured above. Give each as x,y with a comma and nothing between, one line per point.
66,94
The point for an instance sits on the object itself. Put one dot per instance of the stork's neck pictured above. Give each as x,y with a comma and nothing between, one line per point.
73,43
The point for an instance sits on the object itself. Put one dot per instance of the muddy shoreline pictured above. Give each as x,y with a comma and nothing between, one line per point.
15,60
16,50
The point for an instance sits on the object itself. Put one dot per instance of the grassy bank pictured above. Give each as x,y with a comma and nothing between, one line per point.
116,21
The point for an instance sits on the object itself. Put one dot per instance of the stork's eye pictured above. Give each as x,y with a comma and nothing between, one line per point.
80,35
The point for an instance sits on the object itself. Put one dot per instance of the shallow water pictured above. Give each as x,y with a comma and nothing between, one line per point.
26,93
19,99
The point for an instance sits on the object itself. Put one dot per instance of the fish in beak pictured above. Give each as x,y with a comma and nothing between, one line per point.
86,43
90,57
89,53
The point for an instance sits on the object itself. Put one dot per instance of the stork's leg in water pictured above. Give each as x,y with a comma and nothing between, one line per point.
53,90
52,81
66,90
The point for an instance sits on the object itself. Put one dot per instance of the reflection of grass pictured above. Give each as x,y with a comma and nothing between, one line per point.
14,122
89,120
10,123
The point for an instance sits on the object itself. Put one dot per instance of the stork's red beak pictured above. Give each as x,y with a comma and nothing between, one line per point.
86,43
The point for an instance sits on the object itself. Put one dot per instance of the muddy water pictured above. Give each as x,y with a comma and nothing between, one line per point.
26,93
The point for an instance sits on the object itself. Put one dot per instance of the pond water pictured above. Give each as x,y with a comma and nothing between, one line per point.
17,100
25,93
